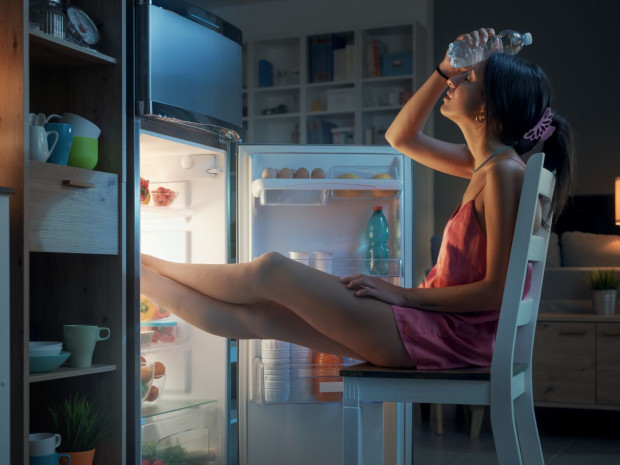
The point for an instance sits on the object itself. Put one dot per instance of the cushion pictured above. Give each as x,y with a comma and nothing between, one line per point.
553,251
587,249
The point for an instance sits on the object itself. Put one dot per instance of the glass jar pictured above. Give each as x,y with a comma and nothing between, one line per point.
48,16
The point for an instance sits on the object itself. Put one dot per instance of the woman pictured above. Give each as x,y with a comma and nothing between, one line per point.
450,320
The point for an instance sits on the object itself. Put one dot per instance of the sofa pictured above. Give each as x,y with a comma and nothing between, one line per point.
570,257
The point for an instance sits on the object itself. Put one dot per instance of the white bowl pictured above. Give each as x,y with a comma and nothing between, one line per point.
39,348
81,126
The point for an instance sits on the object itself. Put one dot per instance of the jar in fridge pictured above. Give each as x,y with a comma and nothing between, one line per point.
48,16
325,375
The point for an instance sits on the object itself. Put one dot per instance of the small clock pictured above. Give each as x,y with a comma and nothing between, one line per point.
82,30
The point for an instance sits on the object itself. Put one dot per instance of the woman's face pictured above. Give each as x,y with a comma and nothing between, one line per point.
465,96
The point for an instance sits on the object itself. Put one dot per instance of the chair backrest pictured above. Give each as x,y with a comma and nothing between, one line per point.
517,320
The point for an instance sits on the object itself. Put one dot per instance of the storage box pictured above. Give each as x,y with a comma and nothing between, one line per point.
341,100
165,331
397,64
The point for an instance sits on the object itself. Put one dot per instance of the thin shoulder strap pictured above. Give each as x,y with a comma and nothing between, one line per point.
520,162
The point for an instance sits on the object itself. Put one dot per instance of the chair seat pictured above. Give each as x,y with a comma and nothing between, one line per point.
367,370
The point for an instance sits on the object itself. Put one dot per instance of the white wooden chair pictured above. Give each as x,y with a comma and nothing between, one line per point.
505,386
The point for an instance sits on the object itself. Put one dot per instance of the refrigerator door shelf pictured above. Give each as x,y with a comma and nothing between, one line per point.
351,266
315,192
297,383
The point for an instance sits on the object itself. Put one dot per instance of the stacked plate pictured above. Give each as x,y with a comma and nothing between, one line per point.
276,357
301,374
46,356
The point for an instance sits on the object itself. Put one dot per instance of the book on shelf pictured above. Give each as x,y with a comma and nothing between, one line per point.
344,63
342,135
374,55
320,131
375,136
265,73
321,48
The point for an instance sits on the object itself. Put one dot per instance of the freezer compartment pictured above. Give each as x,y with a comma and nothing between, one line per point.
185,436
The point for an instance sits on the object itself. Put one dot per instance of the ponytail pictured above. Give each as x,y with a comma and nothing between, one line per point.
559,159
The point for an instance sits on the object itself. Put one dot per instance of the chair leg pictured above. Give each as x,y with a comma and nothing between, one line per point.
352,422
505,433
477,415
525,421
438,418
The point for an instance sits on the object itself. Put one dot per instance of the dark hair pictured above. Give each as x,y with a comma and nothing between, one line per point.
517,93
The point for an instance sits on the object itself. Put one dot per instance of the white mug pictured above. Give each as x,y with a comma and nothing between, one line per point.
43,443
39,147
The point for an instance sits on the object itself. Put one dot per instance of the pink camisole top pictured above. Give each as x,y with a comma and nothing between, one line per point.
441,340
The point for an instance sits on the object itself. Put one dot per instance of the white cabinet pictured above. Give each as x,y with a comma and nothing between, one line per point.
335,87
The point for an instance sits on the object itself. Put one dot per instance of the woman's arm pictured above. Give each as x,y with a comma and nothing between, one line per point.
405,133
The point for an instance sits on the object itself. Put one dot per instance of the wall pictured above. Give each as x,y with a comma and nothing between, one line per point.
583,76
582,68
284,17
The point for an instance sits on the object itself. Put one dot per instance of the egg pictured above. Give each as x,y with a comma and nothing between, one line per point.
301,173
318,173
269,173
285,173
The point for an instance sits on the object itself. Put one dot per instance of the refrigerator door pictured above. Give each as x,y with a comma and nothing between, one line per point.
321,221
196,227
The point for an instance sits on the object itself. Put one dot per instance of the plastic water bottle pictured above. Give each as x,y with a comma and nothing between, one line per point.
462,54
378,234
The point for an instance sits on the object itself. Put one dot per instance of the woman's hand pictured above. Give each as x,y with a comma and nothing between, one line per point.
473,38
370,286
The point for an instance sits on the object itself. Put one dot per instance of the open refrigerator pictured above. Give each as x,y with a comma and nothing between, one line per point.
213,199
229,205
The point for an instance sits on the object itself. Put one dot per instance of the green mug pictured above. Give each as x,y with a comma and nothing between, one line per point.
84,152
80,340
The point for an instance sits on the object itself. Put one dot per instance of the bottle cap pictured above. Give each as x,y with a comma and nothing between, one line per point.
527,38
377,208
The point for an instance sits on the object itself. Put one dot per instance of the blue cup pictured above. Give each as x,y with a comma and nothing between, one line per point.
60,154
52,459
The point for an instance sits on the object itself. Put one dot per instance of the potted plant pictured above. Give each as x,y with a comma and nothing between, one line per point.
603,284
80,425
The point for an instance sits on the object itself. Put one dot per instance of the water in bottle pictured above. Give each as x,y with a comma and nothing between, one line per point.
462,54
378,234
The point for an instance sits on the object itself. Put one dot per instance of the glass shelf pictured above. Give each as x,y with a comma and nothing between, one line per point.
166,406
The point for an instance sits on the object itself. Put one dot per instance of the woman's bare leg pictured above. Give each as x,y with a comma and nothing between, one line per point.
365,326
265,320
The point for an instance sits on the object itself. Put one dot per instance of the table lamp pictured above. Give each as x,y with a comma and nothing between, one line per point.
618,201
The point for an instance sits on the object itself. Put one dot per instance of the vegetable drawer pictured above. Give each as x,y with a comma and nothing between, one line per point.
72,210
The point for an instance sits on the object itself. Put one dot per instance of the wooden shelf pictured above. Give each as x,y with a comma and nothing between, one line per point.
69,372
50,51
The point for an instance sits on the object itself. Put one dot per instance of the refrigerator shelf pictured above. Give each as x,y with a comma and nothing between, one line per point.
351,266
153,211
165,407
316,191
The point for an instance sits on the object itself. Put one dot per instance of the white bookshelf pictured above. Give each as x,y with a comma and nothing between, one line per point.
281,105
